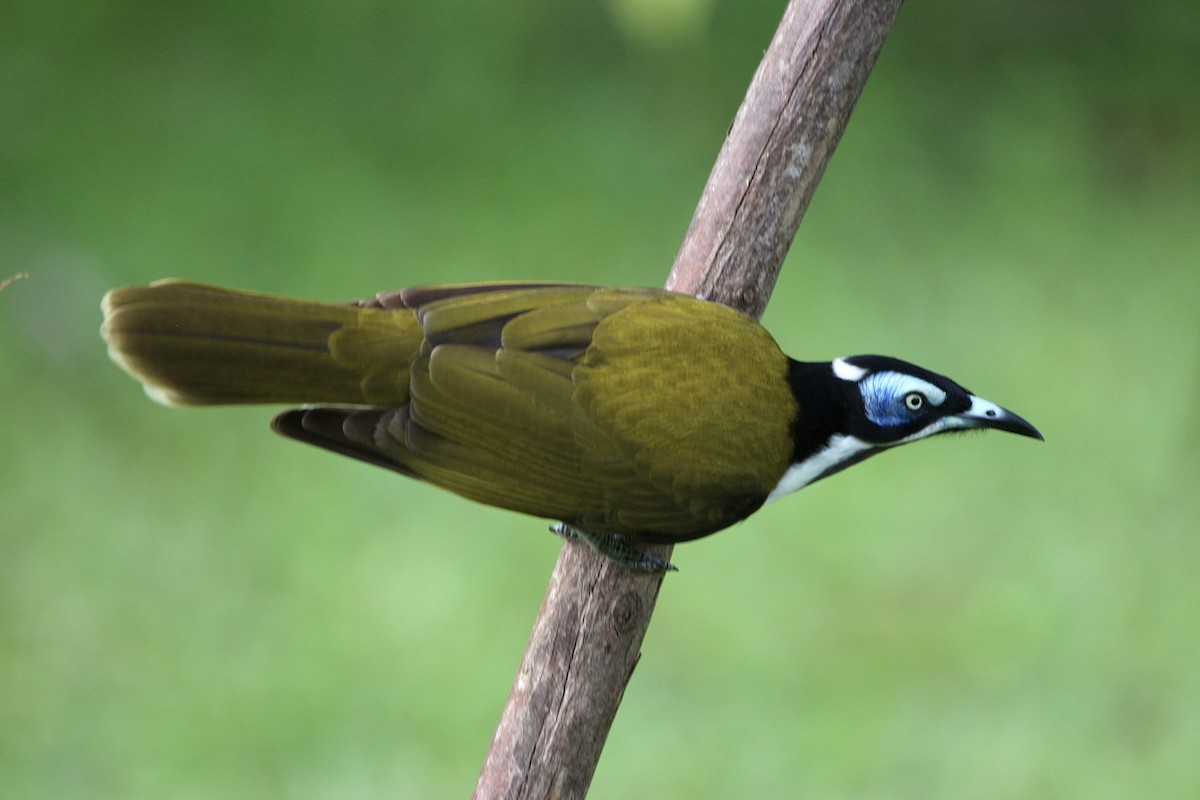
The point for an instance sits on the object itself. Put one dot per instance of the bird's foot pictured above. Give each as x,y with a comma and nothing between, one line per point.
621,549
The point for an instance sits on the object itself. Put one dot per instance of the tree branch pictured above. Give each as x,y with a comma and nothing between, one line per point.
588,635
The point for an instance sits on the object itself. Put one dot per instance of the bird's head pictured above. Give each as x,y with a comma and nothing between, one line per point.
891,402
852,408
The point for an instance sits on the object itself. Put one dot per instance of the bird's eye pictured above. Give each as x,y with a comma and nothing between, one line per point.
914,401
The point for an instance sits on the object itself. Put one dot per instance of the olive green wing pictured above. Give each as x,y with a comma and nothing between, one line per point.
593,406
491,413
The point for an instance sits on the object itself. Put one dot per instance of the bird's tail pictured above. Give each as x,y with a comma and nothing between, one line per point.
191,344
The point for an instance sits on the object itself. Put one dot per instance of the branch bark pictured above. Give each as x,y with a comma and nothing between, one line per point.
588,635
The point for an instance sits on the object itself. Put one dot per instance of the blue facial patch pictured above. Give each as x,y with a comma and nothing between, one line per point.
893,399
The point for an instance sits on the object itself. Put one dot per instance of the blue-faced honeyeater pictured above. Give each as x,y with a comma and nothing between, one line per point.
628,415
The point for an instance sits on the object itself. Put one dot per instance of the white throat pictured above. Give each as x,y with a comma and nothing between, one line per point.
840,449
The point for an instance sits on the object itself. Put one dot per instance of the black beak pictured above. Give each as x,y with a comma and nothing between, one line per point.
986,414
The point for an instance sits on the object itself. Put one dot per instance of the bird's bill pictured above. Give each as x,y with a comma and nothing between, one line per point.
986,414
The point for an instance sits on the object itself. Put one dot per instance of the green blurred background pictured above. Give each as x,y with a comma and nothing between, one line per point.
192,607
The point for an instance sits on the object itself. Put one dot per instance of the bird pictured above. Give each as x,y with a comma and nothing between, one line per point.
628,416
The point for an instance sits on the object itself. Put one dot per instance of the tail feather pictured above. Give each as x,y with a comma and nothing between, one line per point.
192,344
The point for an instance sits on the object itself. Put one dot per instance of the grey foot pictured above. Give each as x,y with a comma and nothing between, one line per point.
621,549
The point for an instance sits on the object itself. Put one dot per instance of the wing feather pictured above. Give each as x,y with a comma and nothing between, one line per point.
548,399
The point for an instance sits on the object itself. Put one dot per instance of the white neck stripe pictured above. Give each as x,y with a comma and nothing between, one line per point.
841,448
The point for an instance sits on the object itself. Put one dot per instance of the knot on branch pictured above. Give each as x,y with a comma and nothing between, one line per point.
627,613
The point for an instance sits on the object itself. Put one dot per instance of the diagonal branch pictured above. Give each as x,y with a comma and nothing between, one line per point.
588,635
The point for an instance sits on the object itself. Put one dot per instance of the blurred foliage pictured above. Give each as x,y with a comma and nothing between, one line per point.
190,607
